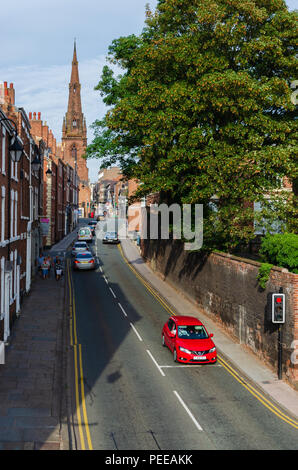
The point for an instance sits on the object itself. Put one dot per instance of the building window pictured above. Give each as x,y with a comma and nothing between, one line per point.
74,123
2,213
15,272
16,215
2,284
3,148
12,214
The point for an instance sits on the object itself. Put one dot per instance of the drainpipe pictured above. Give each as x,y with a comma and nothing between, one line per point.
29,226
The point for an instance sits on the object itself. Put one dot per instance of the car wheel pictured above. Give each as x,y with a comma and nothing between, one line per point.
163,341
175,355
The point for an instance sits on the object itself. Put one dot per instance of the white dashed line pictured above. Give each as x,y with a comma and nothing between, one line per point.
162,373
113,293
136,332
124,312
188,411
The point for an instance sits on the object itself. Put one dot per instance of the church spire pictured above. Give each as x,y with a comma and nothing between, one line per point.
74,119
74,134
75,66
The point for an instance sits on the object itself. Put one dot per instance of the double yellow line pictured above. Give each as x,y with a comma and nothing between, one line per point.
81,410
146,284
260,397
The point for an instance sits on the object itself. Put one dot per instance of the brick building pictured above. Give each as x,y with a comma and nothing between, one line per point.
60,185
21,189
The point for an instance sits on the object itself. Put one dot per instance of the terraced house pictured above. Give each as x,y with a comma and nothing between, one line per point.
39,197
20,181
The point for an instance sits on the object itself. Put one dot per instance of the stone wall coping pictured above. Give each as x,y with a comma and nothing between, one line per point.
249,261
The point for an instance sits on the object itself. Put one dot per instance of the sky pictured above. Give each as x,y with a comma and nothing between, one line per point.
37,46
37,40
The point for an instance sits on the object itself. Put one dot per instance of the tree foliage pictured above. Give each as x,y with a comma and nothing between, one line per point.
281,250
202,111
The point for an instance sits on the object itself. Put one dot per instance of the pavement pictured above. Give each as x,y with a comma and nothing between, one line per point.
33,411
243,360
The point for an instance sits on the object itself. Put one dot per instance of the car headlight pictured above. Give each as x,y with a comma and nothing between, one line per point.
185,350
212,350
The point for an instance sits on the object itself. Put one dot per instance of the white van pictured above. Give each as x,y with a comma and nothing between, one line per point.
85,234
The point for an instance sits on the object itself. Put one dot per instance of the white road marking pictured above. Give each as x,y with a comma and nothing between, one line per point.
188,411
124,312
113,293
191,366
182,365
136,332
161,371
105,279
100,268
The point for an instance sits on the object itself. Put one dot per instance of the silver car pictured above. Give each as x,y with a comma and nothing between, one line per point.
79,247
111,237
84,260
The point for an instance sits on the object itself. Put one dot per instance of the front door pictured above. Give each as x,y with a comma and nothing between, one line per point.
7,283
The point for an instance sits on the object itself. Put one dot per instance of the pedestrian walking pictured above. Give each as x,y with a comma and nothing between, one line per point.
40,261
49,263
45,269
58,268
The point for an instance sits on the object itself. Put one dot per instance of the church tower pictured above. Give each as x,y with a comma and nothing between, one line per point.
74,135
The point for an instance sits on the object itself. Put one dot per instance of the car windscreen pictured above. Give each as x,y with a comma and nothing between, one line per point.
192,332
84,256
80,245
111,234
84,231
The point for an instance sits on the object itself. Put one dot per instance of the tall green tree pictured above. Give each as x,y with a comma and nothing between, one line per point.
202,112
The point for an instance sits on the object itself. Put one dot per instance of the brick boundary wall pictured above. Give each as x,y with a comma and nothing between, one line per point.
226,288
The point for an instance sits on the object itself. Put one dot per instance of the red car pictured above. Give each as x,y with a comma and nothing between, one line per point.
189,340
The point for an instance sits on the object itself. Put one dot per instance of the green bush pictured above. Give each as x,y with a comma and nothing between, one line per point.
264,274
281,250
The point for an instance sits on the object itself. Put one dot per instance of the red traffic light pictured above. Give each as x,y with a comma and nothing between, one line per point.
278,308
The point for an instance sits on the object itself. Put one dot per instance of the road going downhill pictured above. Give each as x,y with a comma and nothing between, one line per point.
131,395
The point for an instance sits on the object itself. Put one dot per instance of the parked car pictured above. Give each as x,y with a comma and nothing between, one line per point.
188,340
84,260
85,234
79,247
111,237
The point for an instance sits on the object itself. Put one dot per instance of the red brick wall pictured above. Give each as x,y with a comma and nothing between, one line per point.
227,289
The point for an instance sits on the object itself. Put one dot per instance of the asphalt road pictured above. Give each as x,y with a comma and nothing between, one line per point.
133,396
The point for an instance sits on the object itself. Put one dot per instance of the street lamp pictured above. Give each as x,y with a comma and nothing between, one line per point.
35,164
16,148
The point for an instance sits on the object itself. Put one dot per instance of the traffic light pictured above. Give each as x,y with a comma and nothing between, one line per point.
278,308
